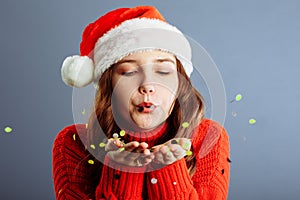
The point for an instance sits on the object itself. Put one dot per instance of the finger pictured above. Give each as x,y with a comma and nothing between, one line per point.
158,158
131,146
112,145
177,151
142,146
156,148
146,152
168,158
185,143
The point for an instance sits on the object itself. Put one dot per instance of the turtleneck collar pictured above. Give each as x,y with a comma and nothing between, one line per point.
150,137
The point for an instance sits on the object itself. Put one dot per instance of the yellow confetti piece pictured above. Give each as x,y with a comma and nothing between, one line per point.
121,149
185,124
122,133
92,146
102,144
91,162
238,97
60,191
86,125
189,153
74,136
186,145
83,112
252,121
8,129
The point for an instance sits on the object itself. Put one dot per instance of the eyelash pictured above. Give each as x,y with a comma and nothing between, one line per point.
163,72
131,73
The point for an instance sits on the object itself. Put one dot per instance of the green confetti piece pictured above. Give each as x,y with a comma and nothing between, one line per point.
189,153
252,121
115,135
91,162
83,112
8,129
92,146
122,133
185,124
238,97
102,144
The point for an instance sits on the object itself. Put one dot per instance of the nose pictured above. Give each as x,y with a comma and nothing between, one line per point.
147,89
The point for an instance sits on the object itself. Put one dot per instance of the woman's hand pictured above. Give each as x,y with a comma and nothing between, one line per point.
131,154
171,151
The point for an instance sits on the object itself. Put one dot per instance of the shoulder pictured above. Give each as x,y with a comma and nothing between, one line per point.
70,132
72,137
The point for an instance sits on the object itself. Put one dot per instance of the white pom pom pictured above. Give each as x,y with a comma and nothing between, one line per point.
77,71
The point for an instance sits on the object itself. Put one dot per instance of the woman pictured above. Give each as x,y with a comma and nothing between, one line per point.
145,136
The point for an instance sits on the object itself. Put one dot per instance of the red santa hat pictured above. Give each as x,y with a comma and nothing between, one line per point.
119,33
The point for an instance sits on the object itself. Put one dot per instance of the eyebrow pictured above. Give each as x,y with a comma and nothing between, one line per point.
159,60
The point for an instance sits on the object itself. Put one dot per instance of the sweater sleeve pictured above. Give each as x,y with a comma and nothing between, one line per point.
210,181
74,177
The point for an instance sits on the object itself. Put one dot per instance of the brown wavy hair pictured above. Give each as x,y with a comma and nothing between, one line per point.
188,107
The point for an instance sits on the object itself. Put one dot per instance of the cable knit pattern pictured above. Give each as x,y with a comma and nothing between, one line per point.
75,178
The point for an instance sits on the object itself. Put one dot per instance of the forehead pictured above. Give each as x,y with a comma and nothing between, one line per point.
148,55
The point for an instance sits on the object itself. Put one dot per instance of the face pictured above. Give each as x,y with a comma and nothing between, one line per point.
144,89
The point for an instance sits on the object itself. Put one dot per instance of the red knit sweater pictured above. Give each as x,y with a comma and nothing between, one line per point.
76,178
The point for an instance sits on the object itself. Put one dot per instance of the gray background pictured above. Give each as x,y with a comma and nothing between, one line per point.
255,45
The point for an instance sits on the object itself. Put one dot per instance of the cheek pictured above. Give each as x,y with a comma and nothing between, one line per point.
122,94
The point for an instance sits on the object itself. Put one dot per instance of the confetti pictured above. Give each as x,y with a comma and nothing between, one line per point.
74,136
102,144
234,114
189,153
252,121
86,125
238,97
122,133
92,146
174,142
174,183
60,191
185,124
117,176
186,145
121,149
8,129
91,162
223,171
228,160
115,135
153,180
83,112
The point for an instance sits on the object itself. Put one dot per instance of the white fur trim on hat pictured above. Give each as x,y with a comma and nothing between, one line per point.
77,71
137,35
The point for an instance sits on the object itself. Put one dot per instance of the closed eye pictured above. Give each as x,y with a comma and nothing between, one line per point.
163,72
129,73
